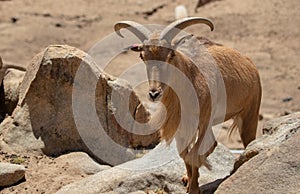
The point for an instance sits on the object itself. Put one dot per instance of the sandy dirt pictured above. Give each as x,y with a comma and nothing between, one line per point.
43,174
267,31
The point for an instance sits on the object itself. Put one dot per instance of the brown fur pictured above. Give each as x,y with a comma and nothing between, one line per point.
243,90
201,62
242,87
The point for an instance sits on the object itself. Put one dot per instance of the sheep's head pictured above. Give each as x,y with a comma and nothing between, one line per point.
157,49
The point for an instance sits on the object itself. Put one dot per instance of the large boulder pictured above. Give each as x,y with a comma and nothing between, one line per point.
271,164
55,107
159,170
82,162
275,132
10,174
11,82
11,76
2,96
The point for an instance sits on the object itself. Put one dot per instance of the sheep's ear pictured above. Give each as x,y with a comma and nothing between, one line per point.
182,40
135,48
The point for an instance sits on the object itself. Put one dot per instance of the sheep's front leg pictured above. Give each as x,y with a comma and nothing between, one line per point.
193,182
186,179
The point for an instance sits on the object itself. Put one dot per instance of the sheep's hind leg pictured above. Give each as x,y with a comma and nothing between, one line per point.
247,124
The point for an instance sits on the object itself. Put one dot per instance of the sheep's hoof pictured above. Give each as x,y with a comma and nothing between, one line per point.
185,180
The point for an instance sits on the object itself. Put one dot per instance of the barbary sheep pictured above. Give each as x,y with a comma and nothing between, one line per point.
241,81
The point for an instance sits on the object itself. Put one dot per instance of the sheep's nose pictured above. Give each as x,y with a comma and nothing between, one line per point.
153,94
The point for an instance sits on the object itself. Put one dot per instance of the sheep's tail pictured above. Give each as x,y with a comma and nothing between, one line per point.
234,126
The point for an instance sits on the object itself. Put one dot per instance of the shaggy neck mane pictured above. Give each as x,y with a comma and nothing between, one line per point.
172,104
171,100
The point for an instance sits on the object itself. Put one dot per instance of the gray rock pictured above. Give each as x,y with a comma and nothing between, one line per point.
275,132
10,174
82,162
276,166
17,135
2,96
11,83
161,168
11,76
58,111
2,72
138,192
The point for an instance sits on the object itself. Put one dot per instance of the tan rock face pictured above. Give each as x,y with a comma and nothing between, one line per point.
11,83
275,132
82,162
2,101
275,168
144,174
45,109
10,174
11,76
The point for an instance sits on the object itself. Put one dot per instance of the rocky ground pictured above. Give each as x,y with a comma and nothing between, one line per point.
76,172
266,31
46,174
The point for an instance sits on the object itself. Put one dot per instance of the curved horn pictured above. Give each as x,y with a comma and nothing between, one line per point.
174,28
137,29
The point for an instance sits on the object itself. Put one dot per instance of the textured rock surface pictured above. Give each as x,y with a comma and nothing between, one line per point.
276,166
82,162
46,174
1,72
160,169
10,174
11,76
44,116
275,133
11,83
2,96
138,192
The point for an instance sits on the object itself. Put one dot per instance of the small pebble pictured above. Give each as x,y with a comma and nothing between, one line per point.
286,113
287,99
58,25
14,19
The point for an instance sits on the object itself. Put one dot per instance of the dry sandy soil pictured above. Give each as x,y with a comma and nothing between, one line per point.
267,31
43,174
